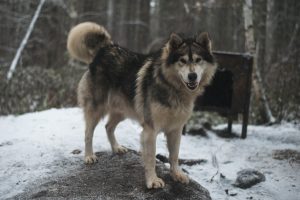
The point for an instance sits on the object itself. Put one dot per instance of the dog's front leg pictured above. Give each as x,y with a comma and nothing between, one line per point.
148,141
173,141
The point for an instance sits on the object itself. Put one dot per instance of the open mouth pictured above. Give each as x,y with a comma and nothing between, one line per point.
192,85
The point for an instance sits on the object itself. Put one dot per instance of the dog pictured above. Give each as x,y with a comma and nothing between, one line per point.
157,90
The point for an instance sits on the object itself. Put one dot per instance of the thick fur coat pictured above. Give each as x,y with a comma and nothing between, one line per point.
157,90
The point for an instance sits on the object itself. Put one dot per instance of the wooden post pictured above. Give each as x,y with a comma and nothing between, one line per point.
229,125
249,65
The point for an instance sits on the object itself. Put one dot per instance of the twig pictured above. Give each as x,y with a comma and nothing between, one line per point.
216,165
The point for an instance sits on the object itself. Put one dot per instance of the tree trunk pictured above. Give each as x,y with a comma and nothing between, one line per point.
258,86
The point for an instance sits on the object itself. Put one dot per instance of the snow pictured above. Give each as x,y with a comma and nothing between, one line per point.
32,146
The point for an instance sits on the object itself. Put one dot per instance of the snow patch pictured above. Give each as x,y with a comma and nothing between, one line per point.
39,145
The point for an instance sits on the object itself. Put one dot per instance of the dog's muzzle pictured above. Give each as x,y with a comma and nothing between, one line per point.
192,85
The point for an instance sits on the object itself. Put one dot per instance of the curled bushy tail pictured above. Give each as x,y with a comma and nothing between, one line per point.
85,39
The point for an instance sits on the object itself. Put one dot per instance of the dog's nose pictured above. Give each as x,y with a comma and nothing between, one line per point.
192,76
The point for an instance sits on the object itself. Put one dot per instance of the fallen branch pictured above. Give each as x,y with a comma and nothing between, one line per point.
188,162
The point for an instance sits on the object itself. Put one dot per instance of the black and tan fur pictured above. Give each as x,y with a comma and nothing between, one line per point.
156,90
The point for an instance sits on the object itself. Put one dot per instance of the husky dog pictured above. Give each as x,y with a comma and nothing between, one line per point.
157,90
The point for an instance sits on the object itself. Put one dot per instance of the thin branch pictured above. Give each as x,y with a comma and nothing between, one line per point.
25,40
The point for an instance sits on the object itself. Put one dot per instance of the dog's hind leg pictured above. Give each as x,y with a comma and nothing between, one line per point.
113,121
173,142
92,115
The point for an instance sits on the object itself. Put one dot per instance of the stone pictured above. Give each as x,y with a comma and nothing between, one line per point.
198,131
286,154
76,151
246,178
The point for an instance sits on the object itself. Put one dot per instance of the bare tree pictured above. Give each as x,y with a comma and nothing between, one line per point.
258,86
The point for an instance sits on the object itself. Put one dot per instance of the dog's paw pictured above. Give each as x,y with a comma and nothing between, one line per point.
90,159
155,182
120,150
179,176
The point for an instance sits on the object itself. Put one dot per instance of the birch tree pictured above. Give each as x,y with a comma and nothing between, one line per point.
258,87
24,41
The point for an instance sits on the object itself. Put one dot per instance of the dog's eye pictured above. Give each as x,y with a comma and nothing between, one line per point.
182,60
198,60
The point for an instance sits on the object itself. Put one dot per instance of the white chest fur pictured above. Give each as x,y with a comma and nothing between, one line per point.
169,119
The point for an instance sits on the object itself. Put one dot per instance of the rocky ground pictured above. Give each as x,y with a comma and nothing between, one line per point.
113,177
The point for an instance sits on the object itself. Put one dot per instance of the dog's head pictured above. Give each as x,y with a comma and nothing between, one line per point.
190,59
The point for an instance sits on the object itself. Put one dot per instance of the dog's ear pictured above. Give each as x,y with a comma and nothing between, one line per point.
174,41
204,40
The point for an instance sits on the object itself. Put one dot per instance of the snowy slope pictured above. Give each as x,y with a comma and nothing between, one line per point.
33,144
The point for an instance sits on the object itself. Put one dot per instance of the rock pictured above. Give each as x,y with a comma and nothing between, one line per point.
6,143
287,154
230,193
223,133
198,131
207,125
76,151
248,177
113,177
162,158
